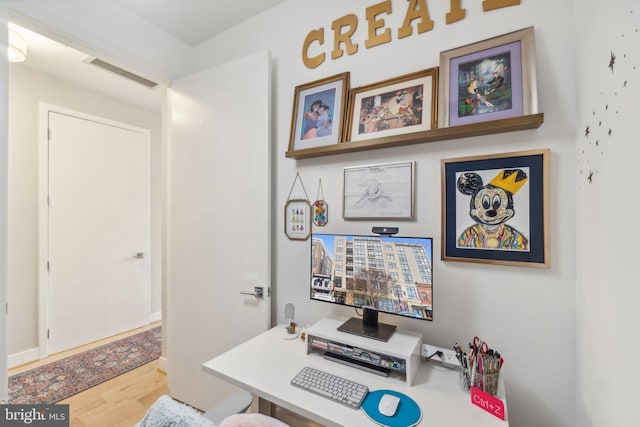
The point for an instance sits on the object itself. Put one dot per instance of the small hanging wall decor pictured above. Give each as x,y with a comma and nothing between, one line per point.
320,208
297,215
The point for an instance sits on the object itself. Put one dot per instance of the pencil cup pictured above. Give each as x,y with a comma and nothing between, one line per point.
485,382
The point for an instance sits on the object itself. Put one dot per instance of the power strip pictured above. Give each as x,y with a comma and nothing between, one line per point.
448,358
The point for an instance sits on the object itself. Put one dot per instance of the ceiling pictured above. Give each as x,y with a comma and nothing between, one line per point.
194,21
190,21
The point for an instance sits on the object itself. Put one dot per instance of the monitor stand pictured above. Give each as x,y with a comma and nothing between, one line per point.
368,326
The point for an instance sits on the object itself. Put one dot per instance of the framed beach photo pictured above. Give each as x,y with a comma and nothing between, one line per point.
379,191
495,209
318,112
392,107
489,80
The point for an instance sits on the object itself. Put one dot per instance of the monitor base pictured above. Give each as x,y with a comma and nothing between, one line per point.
380,332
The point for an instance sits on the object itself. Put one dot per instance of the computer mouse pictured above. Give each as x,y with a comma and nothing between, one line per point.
388,405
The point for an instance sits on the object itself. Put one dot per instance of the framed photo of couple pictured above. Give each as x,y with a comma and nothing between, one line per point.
318,112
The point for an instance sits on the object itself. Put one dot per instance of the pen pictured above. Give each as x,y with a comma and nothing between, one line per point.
473,370
458,350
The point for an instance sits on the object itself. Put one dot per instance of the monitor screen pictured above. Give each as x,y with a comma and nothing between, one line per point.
377,273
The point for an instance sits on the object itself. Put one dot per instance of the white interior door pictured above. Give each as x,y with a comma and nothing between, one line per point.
219,222
98,229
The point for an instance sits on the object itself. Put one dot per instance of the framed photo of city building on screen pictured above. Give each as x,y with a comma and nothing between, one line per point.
495,209
318,112
397,106
489,80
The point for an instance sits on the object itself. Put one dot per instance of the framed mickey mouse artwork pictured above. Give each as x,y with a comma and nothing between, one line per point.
495,209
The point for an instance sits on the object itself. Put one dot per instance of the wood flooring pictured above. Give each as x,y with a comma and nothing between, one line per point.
119,402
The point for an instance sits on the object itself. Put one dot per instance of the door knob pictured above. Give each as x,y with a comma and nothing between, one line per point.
139,255
258,292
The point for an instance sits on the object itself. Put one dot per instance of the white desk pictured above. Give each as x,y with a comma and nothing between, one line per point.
266,364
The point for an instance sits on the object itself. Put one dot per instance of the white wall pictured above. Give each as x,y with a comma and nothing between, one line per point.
27,89
607,237
529,314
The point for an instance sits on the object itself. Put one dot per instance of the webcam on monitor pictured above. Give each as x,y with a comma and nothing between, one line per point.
385,231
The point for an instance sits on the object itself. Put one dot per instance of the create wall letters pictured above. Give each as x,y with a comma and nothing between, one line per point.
378,33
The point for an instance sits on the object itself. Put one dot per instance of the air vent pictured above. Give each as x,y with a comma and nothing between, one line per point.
119,71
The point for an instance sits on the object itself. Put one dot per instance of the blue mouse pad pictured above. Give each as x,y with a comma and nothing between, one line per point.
408,413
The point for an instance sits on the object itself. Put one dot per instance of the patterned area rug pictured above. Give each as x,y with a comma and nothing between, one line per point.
58,380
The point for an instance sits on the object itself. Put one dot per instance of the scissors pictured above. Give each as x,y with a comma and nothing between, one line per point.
479,346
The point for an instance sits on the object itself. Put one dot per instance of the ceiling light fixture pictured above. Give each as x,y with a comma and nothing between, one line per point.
17,47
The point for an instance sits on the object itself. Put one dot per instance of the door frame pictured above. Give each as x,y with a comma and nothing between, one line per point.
43,214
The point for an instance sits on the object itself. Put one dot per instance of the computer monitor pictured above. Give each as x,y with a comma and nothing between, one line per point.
375,273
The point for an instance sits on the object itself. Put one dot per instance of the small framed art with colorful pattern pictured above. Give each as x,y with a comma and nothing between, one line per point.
297,219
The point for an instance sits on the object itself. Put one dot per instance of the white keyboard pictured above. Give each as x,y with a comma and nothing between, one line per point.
331,386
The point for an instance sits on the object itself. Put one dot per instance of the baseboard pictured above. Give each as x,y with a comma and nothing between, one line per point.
162,364
23,357
155,317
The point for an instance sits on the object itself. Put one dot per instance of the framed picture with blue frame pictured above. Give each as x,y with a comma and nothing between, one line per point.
489,80
495,209
319,109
